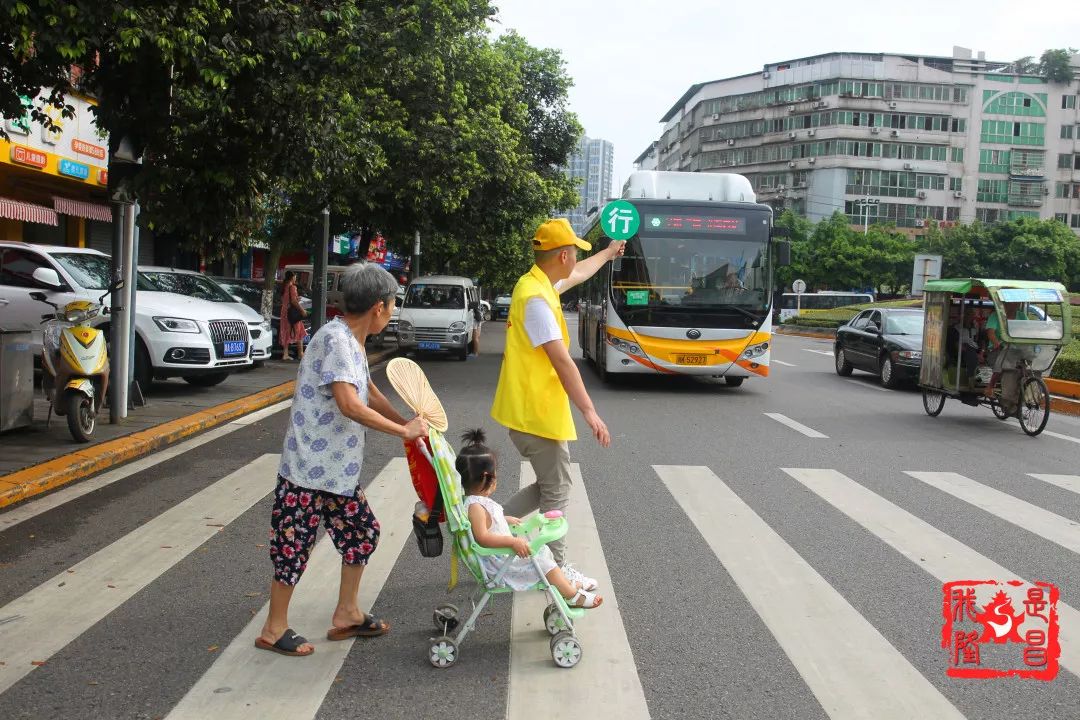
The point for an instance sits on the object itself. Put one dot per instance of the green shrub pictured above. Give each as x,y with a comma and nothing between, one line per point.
1067,366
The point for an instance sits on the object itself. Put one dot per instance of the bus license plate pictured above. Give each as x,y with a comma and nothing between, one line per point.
233,348
428,345
691,359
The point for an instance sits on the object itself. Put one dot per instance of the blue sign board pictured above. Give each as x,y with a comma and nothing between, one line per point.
1034,295
74,169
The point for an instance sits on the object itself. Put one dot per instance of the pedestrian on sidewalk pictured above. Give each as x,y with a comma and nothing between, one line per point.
539,379
291,329
319,474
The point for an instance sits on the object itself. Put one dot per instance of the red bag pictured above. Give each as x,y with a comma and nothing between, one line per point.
424,479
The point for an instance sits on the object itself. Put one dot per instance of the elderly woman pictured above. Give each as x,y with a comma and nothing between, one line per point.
319,475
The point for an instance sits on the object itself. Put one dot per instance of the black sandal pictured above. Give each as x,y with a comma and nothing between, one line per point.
371,627
287,644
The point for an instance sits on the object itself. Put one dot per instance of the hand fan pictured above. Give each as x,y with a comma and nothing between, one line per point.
412,385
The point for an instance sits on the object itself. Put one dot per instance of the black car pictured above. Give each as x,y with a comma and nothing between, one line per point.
883,341
502,307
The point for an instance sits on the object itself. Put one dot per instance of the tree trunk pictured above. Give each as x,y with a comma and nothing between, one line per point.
273,257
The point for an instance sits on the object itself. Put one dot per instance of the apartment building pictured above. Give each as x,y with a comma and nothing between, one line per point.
591,166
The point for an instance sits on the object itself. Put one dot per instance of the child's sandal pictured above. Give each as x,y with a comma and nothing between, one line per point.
588,600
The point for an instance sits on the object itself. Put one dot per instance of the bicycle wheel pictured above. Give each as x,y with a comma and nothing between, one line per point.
1034,406
933,402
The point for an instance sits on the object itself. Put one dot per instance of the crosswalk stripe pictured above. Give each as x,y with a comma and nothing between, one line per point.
781,362
819,352
607,660
40,623
26,510
245,682
937,553
797,426
1032,518
1067,482
849,666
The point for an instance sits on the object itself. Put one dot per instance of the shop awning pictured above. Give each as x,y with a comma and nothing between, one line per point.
80,208
27,212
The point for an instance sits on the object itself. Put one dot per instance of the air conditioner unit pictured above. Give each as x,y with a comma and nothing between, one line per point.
892,105
921,194
909,166
812,160
875,130
731,141
792,135
790,109
811,133
716,116
895,133
791,164
766,75
823,104
920,223
958,194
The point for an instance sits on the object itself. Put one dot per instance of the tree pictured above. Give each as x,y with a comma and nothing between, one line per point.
1025,66
1056,65
890,261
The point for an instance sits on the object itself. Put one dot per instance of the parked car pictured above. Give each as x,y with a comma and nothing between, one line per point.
335,300
176,336
193,284
502,307
390,331
485,309
250,293
884,341
437,315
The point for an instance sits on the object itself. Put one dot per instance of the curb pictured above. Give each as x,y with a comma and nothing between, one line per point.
49,475
820,333
1064,405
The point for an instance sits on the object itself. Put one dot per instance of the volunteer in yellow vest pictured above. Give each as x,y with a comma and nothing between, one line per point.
539,379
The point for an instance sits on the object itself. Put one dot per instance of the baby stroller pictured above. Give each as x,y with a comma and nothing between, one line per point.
539,529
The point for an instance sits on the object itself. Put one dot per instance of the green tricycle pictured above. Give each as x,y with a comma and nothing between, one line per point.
989,342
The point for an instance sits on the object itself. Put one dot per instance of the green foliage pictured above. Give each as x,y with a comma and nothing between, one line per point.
1054,65
1067,366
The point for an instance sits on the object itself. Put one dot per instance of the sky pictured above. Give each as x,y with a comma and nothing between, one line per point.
632,59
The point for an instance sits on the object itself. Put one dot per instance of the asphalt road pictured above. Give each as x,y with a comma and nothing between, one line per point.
769,555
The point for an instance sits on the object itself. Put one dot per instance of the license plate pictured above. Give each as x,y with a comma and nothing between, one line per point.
691,359
234,347
428,345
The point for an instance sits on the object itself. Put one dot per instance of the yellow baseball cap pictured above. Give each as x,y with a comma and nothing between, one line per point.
557,233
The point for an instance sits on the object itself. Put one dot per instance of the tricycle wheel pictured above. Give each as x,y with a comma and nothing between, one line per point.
933,402
1034,406
999,412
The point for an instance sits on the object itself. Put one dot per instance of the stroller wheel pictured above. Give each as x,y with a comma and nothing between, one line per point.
445,617
553,621
443,652
565,650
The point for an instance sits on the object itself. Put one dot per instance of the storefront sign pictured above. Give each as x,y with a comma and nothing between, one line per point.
85,148
22,155
73,169
103,177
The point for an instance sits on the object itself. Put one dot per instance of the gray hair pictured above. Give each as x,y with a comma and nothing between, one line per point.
363,285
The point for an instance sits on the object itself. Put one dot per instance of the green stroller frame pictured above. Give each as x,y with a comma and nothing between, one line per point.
538,529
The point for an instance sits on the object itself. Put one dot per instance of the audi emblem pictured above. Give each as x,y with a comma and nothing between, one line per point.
693,334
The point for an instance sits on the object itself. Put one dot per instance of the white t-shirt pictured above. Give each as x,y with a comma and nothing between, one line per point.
540,323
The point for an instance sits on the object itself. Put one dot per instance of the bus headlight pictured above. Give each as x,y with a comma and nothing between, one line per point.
623,346
755,351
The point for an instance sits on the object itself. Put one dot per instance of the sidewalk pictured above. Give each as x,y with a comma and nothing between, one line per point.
37,459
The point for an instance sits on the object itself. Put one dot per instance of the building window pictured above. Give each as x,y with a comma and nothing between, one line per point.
1066,132
956,184
956,155
1062,218
1068,102
1064,161
1075,221
952,214
994,161
1014,103
1005,132
993,191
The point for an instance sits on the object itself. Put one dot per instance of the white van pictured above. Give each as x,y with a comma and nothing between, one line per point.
437,315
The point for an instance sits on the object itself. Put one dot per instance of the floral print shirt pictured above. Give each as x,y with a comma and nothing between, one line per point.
324,450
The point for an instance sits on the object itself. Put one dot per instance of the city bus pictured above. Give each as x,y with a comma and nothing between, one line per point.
692,294
791,304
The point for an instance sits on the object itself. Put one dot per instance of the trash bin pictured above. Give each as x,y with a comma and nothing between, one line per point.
16,379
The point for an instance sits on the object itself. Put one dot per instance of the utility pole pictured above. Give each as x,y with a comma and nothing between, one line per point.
416,255
318,275
123,164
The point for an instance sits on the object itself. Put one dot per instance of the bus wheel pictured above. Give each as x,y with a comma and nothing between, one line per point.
599,361
733,381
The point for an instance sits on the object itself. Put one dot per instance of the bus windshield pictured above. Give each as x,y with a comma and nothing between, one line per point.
691,268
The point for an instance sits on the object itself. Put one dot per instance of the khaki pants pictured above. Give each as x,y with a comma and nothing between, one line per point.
550,460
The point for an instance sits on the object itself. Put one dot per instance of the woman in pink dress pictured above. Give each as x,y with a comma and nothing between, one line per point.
291,332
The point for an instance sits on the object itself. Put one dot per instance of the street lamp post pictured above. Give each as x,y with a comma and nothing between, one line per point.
318,275
865,204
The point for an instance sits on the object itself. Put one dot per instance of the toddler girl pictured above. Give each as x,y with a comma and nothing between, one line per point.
491,528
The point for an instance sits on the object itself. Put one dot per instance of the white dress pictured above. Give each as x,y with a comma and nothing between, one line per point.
521,575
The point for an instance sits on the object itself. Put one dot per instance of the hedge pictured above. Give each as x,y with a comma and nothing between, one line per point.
1067,366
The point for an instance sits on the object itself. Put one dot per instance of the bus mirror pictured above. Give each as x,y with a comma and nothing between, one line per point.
783,253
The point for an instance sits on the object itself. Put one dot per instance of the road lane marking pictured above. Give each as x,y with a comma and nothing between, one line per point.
781,362
819,352
269,686
607,661
1059,436
867,385
940,555
33,508
839,654
798,426
42,622
1032,518
1068,482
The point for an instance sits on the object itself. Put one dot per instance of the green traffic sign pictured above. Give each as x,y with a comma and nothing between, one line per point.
620,220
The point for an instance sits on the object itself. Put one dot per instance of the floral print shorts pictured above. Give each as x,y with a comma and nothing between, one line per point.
295,520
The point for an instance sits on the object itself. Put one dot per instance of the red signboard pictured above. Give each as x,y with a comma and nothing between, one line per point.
85,148
28,156
103,177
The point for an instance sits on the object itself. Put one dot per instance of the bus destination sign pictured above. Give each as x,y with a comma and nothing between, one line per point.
697,223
